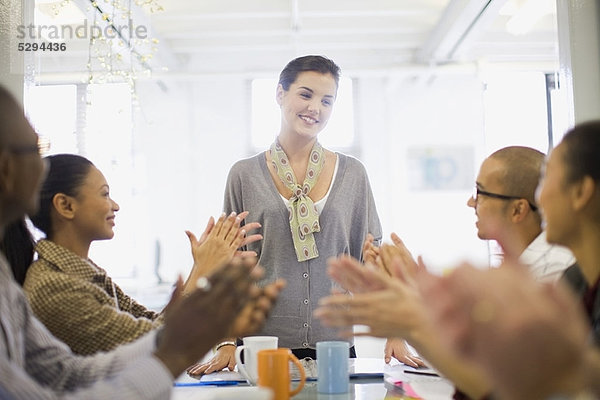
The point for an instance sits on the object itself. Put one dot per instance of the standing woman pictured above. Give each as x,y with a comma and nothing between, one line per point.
312,204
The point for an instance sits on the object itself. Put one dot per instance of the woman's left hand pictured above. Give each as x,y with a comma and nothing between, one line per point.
223,358
248,227
370,252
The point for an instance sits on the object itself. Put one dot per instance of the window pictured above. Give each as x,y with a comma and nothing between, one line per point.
515,110
558,106
55,124
96,122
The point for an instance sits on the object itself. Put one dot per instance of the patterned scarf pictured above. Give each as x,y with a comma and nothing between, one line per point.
304,218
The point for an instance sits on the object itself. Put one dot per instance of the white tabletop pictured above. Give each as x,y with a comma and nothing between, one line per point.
425,386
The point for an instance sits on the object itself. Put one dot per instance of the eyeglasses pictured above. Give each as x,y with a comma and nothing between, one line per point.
478,192
41,147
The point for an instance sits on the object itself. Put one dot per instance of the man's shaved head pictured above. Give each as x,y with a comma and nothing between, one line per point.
522,170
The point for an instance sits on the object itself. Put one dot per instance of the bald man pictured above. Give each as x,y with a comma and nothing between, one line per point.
505,206
506,210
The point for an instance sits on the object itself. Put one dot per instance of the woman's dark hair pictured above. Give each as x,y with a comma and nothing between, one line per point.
308,63
66,174
18,245
581,151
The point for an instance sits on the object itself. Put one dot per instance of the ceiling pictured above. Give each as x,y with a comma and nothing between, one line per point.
239,36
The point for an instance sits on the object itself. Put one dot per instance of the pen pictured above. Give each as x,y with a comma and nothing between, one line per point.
206,383
428,373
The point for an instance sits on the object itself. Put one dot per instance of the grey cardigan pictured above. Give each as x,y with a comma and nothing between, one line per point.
349,214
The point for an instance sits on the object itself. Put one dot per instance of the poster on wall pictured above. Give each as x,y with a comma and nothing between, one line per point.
440,168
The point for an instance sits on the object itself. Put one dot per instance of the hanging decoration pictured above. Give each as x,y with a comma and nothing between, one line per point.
120,48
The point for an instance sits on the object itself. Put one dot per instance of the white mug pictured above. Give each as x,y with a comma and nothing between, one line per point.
252,345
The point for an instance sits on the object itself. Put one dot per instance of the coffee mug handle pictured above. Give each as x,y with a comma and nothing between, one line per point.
241,368
302,375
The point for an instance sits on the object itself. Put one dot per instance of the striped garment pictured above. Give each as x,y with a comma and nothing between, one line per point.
36,365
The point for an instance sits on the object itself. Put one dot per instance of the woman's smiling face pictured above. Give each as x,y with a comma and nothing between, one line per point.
307,105
554,199
95,210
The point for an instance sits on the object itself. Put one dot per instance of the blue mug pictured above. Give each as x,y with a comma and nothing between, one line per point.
332,367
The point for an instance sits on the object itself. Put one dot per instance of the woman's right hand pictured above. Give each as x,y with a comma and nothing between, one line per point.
397,348
223,358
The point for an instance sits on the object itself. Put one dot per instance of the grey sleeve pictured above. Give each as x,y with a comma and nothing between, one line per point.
233,200
373,217
233,191
372,222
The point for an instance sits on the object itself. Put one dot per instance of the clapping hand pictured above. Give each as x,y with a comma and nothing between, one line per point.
530,338
250,319
218,243
390,307
194,323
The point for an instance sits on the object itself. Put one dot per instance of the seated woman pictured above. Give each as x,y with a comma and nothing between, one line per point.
76,300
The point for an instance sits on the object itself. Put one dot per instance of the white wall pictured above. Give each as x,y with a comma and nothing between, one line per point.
402,113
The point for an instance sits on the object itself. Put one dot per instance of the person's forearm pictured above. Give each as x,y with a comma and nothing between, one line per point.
199,269
592,368
232,342
190,283
175,362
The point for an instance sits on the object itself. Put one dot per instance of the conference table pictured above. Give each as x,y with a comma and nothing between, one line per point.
377,381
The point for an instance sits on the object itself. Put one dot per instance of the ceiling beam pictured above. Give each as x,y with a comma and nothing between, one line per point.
370,13
459,25
322,46
268,33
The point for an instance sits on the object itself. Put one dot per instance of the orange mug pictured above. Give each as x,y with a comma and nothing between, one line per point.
274,372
